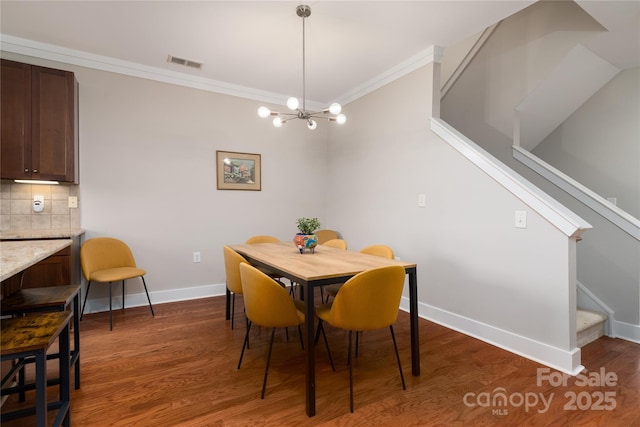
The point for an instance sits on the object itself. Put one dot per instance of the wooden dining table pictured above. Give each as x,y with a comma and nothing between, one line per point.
325,266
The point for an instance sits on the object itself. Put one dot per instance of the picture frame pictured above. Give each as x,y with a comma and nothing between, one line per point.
238,171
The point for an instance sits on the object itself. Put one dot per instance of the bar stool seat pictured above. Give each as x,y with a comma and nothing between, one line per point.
48,299
31,336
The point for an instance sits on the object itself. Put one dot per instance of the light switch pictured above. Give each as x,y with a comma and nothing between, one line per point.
521,219
422,200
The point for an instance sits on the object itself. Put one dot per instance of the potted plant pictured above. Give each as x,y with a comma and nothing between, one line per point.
305,239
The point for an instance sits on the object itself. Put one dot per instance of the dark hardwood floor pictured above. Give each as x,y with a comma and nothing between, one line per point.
179,369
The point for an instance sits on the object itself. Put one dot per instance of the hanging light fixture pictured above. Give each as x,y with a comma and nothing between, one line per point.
332,113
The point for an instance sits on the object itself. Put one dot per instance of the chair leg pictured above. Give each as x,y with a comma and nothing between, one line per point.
266,369
244,345
146,292
248,324
350,375
233,308
85,299
300,334
393,337
326,342
123,294
110,310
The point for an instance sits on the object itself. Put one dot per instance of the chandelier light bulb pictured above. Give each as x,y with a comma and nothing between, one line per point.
335,108
277,122
341,118
264,112
292,103
312,124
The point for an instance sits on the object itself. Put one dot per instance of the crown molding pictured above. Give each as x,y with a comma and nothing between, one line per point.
427,56
51,52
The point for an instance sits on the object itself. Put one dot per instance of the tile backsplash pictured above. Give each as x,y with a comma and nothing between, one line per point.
16,207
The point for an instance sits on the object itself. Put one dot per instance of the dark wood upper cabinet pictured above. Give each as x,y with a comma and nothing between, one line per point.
39,123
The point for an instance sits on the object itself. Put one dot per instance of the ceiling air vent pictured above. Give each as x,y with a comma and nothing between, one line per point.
185,62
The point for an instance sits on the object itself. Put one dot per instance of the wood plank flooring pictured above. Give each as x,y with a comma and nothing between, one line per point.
179,369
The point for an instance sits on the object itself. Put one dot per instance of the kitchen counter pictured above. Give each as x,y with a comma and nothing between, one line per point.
65,233
18,255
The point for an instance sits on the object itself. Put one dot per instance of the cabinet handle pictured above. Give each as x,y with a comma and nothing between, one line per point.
26,170
35,171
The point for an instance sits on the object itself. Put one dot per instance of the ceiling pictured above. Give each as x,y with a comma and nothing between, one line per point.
249,47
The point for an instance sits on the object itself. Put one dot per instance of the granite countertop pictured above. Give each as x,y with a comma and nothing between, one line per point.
19,255
65,233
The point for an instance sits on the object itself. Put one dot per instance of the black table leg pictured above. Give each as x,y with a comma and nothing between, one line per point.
413,313
76,339
310,349
65,386
41,388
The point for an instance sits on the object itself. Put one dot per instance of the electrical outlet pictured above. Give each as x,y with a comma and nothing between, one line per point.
196,257
73,202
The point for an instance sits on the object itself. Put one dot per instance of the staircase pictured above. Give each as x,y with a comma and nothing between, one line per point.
591,326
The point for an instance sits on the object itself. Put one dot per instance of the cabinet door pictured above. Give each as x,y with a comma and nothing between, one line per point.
55,270
15,111
53,130
52,271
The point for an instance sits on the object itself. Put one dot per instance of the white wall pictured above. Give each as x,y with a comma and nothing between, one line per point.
520,52
148,176
476,272
599,145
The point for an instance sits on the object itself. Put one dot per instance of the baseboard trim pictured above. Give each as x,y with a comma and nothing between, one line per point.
553,357
626,331
95,305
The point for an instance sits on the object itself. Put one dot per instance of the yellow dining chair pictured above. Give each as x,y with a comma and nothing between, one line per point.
368,301
232,261
261,239
107,260
336,243
325,235
268,239
267,304
383,251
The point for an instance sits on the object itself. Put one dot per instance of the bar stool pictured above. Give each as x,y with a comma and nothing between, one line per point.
30,336
48,299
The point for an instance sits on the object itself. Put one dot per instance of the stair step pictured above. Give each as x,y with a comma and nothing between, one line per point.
590,326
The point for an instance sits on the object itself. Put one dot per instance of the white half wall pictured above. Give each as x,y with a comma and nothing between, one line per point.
512,287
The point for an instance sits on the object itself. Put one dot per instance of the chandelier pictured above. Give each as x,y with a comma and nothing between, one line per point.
331,113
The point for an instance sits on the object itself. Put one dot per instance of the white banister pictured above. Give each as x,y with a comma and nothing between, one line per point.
617,216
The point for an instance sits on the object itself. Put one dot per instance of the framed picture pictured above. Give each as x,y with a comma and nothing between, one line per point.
238,171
